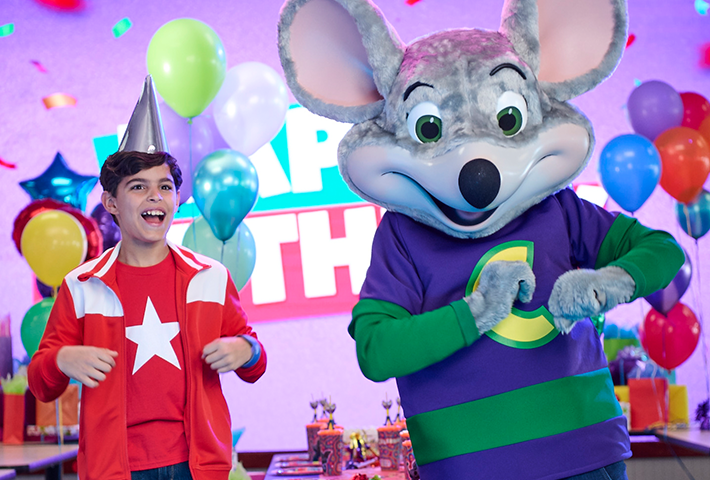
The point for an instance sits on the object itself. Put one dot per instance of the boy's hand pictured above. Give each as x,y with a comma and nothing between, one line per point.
227,353
84,364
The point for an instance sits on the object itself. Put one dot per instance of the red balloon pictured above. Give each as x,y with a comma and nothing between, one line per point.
94,239
670,340
696,108
685,160
704,129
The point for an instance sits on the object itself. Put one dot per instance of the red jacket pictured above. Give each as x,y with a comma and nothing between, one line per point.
88,311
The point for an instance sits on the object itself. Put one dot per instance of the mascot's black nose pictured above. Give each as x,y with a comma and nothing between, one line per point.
479,182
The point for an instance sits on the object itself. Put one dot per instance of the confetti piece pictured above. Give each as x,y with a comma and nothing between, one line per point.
7,164
637,82
7,29
59,100
702,7
705,56
39,66
63,4
121,27
630,40
412,2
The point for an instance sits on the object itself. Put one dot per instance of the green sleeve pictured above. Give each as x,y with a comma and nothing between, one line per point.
392,343
651,257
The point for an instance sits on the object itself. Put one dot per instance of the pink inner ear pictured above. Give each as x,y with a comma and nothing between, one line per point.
574,37
330,59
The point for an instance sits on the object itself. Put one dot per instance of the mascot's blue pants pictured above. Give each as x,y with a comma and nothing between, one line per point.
615,471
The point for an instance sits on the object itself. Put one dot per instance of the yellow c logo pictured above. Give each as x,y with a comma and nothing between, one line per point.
520,329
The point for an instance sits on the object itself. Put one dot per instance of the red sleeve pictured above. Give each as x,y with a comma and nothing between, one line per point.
45,379
234,322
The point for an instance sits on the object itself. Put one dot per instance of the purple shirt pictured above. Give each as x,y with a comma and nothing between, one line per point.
422,269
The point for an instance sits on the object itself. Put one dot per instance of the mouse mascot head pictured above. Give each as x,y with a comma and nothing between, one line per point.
463,129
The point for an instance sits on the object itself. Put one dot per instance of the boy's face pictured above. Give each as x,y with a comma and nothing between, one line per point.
144,205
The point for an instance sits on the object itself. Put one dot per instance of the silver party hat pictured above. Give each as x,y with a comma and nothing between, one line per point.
145,128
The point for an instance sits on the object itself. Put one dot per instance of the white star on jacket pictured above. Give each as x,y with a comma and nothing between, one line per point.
153,338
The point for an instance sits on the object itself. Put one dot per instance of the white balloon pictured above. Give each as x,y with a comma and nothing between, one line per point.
251,106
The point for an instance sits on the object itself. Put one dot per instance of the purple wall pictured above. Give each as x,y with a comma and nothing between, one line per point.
105,74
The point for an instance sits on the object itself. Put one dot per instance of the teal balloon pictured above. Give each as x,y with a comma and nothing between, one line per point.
694,217
34,323
239,254
225,186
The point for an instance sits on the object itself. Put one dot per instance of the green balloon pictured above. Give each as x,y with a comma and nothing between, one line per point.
33,324
187,61
239,255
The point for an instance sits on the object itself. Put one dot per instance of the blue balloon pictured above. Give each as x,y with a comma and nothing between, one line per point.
694,217
630,168
224,187
238,253
60,183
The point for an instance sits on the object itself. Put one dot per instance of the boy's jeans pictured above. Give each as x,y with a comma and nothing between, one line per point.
180,471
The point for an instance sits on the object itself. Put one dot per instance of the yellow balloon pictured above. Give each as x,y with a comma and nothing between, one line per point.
54,244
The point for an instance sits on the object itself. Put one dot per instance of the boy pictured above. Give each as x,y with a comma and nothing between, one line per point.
148,327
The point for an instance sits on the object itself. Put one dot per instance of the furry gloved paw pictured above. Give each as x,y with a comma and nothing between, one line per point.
579,294
502,282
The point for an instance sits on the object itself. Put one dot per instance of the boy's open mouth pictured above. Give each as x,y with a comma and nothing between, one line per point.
153,217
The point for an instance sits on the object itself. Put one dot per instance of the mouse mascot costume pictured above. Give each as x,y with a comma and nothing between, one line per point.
486,268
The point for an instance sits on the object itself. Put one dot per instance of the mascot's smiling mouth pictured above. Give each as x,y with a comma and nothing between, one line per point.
459,217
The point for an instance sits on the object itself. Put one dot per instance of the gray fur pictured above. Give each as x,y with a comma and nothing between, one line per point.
583,293
502,282
384,51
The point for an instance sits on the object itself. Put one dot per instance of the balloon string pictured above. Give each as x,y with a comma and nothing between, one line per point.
687,221
55,289
189,144
221,255
700,319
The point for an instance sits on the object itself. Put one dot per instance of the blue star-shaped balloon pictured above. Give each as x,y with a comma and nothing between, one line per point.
61,183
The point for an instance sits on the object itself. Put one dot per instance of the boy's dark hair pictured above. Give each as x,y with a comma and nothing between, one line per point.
124,164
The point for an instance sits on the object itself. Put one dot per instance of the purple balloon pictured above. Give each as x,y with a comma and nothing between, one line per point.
653,108
219,142
664,300
179,138
109,229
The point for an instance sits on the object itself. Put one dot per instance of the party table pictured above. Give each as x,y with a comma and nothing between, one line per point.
693,438
7,473
31,457
276,473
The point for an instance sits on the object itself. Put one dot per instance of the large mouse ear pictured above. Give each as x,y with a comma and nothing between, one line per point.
572,45
340,57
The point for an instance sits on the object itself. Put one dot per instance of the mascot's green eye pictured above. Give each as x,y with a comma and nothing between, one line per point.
512,113
428,128
424,123
510,120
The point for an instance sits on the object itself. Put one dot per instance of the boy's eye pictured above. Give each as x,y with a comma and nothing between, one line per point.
136,187
424,123
167,187
512,113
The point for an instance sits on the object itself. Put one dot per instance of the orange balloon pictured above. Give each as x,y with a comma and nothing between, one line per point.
685,156
704,129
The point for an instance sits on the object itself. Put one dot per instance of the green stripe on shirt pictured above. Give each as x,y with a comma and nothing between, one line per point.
524,414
